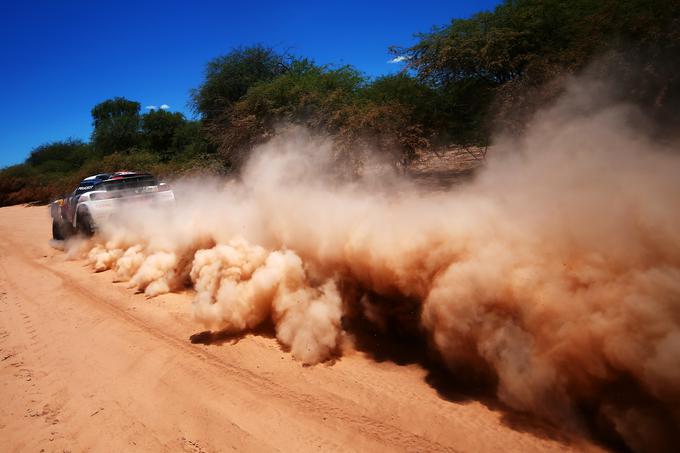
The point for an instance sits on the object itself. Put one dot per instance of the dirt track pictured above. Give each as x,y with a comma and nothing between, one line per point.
86,365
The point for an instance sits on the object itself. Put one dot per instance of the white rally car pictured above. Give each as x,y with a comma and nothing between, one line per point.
100,196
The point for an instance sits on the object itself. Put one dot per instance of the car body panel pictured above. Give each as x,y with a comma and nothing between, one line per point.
106,194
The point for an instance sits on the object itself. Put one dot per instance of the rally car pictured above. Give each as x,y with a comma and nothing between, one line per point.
100,196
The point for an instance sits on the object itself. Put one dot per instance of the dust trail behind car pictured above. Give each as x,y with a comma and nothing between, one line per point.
556,272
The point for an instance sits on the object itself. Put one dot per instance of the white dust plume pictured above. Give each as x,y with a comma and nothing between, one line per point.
556,270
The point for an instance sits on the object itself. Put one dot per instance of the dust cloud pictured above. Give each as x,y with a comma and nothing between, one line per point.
556,270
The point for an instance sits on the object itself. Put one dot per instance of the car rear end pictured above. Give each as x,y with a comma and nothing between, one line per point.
124,192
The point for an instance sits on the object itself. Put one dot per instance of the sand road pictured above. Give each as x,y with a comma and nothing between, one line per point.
87,365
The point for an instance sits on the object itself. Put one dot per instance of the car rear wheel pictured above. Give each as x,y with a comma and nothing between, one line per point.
61,230
84,223
56,231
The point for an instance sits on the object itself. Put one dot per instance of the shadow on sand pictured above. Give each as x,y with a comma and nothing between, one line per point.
407,348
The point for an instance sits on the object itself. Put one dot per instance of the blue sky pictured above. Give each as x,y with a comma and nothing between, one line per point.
60,58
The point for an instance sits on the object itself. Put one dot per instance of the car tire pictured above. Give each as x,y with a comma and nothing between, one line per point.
61,230
57,233
85,225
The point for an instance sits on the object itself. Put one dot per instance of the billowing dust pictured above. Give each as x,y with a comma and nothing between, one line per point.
556,270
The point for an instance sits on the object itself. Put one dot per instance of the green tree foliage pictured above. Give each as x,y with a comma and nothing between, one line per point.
166,144
228,78
190,140
116,124
60,154
338,101
307,94
499,46
492,69
13,183
442,113
512,53
42,175
159,128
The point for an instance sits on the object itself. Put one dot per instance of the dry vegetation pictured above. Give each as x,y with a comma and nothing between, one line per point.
460,83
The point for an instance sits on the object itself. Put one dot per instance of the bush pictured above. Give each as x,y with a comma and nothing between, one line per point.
228,78
71,152
116,125
158,132
494,68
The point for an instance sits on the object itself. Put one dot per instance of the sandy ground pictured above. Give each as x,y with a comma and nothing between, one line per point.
87,365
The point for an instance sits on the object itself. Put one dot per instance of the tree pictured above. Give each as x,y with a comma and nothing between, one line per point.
190,139
228,78
504,64
307,94
116,125
424,102
69,154
338,101
158,131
